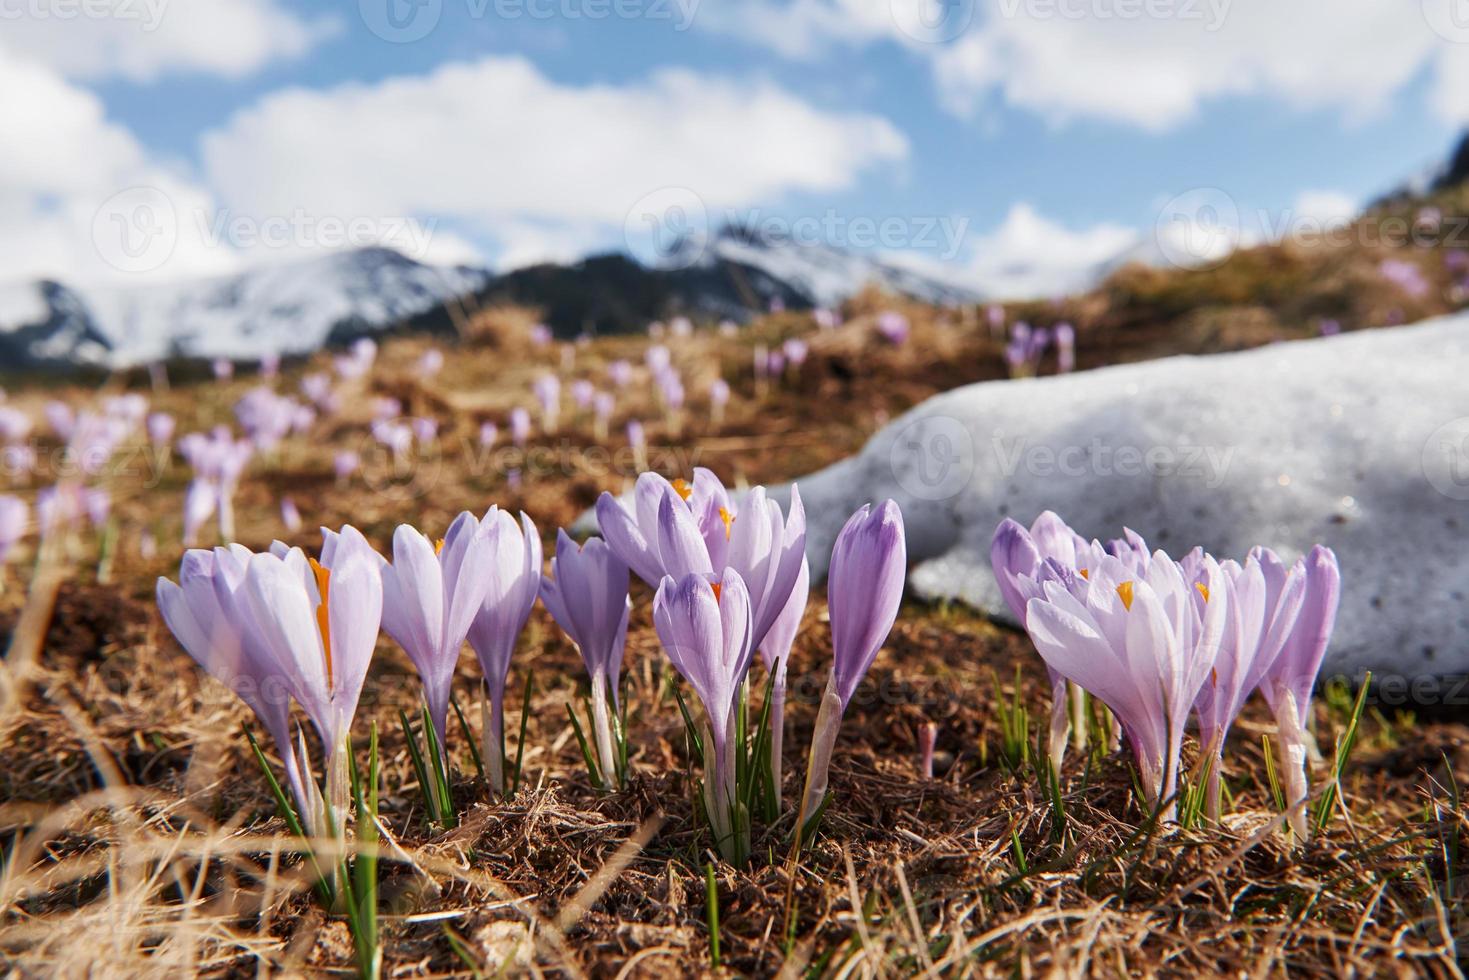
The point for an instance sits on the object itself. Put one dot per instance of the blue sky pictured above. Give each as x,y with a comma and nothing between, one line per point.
1048,133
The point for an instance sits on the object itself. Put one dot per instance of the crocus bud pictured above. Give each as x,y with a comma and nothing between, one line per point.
864,587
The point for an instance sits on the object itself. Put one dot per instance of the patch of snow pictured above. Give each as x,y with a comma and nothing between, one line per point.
1359,442
21,305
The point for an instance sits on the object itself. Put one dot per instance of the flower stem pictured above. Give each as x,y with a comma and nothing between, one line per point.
823,743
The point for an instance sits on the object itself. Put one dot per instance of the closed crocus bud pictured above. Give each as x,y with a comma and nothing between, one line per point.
514,583
431,596
928,734
519,426
1287,682
161,427
290,515
14,517
864,587
703,623
489,432
345,463
586,593
718,398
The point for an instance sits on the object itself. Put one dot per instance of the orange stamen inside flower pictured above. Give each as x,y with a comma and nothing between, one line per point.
682,488
1203,590
728,519
323,622
1124,592
716,587
439,546
1084,573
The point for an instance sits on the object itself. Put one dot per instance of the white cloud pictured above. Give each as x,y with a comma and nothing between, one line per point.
495,144
142,39
1029,256
64,161
1323,206
1113,60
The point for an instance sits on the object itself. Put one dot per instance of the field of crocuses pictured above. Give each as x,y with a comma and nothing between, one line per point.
502,654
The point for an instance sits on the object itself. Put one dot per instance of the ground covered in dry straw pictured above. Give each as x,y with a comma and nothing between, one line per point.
139,837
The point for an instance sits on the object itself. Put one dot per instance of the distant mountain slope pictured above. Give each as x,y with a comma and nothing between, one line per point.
284,308
298,307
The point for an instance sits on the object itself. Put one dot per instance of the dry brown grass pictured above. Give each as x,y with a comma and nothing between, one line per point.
139,837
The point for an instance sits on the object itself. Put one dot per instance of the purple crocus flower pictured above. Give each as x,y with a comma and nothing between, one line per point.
657,358
98,504
704,625
1329,328
1142,645
519,426
796,351
223,368
540,335
826,319
15,425
344,464
718,399
1016,556
582,392
290,515
586,593
1065,348
894,327
514,580
676,528
1256,626
204,613
276,624
1286,682
270,364
619,373
60,417
864,586
161,427
425,431
547,390
489,432
431,363
430,599
14,516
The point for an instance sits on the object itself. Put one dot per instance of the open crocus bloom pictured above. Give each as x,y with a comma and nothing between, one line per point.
1016,555
431,595
704,624
1139,643
586,593
678,529
513,582
279,625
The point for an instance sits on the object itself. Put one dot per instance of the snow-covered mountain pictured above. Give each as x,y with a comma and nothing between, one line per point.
825,275
284,308
298,307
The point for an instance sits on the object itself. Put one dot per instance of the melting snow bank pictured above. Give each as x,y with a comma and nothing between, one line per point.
1360,442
